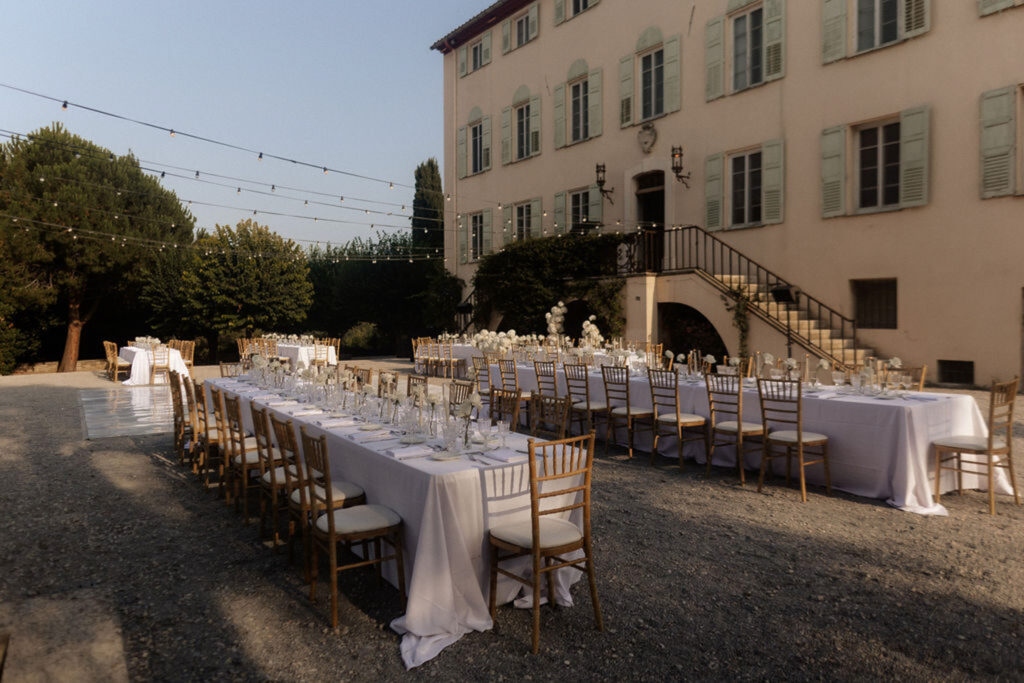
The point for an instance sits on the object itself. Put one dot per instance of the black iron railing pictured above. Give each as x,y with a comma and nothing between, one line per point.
804,320
464,312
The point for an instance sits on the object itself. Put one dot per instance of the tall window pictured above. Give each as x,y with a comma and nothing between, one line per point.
476,236
522,29
748,49
877,23
579,96
476,55
523,221
745,177
879,165
476,145
523,147
579,5
652,84
579,212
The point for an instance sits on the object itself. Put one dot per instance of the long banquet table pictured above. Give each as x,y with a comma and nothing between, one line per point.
446,509
878,447
141,359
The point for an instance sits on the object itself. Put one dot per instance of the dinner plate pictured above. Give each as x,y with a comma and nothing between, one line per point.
445,455
370,428
413,438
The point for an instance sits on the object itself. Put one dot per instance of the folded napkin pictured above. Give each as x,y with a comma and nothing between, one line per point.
918,397
416,451
377,435
301,412
282,402
337,422
505,455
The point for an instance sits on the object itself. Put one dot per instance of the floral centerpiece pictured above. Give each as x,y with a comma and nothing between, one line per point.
591,336
556,319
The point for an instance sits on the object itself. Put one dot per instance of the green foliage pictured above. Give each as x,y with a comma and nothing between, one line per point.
522,282
428,209
737,303
359,339
58,178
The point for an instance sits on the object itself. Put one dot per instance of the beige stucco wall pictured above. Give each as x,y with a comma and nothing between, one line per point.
957,260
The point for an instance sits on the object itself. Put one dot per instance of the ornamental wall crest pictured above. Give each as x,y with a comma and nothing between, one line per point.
647,136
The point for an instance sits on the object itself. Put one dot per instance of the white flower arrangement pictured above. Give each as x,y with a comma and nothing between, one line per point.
791,364
556,319
591,335
824,364
709,359
147,341
895,363
681,358
669,354
258,361
767,359
734,362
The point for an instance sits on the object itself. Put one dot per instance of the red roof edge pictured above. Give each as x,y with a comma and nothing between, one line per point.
478,24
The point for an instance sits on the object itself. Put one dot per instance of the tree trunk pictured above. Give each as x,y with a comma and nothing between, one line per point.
69,361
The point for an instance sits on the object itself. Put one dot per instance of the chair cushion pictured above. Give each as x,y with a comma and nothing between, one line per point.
681,418
790,436
635,411
553,533
748,427
279,476
968,443
340,490
595,406
359,519
251,455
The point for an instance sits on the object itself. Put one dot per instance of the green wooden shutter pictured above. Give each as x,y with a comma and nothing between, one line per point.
559,11
833,31
626,91
774,39
595,112
916,17
536,220
713,192
773,176
486,242
508,230
535,125
595,206
559,107
914,125
485,134
485,49
462,61
506,135
833,172
460,152
998,141
532,21
506,36
464,240
561,226
990,6
714,59
672,75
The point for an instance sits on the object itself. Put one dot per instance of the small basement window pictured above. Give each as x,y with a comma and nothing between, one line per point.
956,372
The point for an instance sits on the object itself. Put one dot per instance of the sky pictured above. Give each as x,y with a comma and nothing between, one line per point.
349,85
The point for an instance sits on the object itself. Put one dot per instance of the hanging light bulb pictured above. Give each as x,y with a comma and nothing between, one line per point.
163,174
64,106
306,203
260,158
325,170
197,174
273,188
172,132
391,186
239,191
341,199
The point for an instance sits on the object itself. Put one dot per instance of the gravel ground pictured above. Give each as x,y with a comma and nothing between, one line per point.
118,566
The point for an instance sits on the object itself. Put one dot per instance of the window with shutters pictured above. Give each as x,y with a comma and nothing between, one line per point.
748,48
873,24
875,304
579,212
1002,142
649,79
476,54
579,6
567,9
473,145
652,84
745,47
522,28
986,7
579,110
745,188
577,105
877,23
476,236
524,135
524,221
476,144
878,166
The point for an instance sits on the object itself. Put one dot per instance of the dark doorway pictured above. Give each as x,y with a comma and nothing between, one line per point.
577,311
650,215
682,327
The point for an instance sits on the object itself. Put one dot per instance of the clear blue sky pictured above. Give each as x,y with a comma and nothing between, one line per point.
352,85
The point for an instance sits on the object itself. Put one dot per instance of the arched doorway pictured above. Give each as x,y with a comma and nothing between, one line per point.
682,327
576,312
650,216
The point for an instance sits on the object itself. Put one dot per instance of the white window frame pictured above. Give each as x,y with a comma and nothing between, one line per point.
579,110
522,135
521,30
477,163
476,236
523,220
577,7
754,55
750,199
579,211
649,98
476,55
876,28
880,148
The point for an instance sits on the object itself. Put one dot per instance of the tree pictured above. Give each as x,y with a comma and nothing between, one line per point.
235,281
428,210
86,219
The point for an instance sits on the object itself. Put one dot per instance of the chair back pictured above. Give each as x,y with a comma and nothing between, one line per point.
294,474
173,344
217,397
318,476
235,428
1002,397
414,381
560,480
188,351
192,408
161,356
505,407
458,391
110,348
491,357
264,449
781,404
174,384
202,412
549,415
321,352
725,398
483,374
664,391
363,376
230,369
616,385
547,380
509,374
269,348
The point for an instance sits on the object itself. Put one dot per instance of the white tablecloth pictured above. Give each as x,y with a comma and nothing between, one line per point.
446,509
301,356
142,360
877,448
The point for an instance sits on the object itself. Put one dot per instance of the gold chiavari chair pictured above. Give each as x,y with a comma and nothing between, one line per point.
459,390
183,433
549,416
621,410
188,352
483,376
321,354
725,399
782,417
243,458
669,420
198,428
216,435
577,382
505,407
161,363
230,369
414,381
273,480
558,470
996,449
115,365
547,380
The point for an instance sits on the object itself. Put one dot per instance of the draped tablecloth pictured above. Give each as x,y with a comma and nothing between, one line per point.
878,448
141,359
301,355
446,509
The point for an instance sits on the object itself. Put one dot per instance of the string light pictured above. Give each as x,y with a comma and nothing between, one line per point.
64,105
